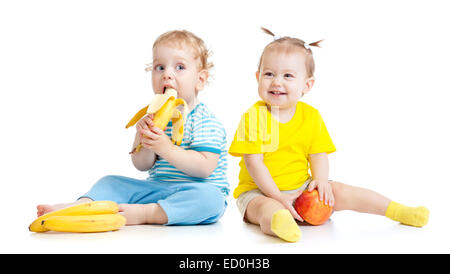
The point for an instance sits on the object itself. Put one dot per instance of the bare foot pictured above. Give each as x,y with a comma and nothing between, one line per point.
44,209
143,214
134,213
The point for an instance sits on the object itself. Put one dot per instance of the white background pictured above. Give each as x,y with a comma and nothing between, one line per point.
72,75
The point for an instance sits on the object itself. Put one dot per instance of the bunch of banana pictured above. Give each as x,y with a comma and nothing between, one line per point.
164,107
98,216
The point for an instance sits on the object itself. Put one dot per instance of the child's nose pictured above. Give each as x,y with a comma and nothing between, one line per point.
168,75
276,81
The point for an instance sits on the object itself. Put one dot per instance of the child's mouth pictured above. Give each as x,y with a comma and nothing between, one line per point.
165,88
277,93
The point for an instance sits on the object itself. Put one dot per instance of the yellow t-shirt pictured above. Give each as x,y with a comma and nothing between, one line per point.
285,146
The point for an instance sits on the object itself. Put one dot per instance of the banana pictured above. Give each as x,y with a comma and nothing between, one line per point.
164,108
90,208
84,223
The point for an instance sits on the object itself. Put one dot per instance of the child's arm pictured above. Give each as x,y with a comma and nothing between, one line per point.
193,163
145,158
319,171
261,175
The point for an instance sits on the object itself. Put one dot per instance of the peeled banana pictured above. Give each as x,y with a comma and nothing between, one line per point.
84,223
90,208
164,107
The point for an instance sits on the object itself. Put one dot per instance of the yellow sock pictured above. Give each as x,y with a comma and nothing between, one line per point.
284,226
414,216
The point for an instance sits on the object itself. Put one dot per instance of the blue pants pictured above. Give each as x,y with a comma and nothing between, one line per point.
185,203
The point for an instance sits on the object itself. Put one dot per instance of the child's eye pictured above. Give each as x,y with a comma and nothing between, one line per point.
268,74
288,75
179,67
159,68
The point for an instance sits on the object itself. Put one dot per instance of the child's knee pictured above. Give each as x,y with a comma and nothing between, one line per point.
107,180
340,193
194,203
211,199
337,187
210,203
103,189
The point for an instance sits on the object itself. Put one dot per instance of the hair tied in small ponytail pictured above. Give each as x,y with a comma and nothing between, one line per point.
314,44
286,40
275,37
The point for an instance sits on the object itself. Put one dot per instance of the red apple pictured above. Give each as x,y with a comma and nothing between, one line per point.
311,209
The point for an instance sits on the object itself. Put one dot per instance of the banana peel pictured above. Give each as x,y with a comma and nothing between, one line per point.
164,107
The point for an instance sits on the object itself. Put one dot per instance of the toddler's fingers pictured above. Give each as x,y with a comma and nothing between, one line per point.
320,188
332,201
149,121
311,185
148,143
331,198
148,134
142,125
326,198
157,130
295,214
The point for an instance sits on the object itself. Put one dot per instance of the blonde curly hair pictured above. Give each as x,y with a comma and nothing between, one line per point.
184,37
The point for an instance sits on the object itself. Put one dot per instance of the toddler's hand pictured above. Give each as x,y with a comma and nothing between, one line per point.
288,199
156,140
325,191
146,123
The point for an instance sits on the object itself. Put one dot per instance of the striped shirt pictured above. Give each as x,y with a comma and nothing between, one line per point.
202,132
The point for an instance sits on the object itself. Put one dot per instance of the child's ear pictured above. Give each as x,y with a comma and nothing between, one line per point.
257,76
202,79
308,85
